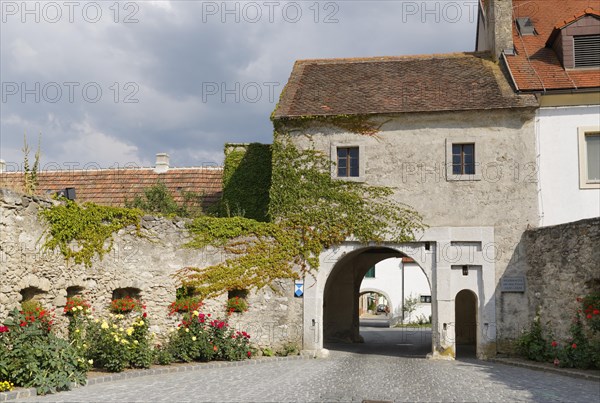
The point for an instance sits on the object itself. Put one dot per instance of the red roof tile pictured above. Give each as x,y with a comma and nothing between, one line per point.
379,85
114,186
537,67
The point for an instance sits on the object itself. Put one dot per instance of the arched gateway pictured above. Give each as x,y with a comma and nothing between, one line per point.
453,259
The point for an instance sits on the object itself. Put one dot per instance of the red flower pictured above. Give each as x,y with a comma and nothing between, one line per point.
573,345
215,348
589,316
554,344
249,353
596,312
144,315
4,329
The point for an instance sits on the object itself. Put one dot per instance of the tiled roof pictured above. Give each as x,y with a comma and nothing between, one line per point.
114,186
536,67
568,21
380,85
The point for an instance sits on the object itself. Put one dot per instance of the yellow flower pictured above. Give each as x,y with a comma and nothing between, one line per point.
84,345
187,330
116,339
76,330
129,331
96,320
115,326
141,323
104,325
194,338
74,308
124,341
135,342
80,308
195,313
91,362
120,329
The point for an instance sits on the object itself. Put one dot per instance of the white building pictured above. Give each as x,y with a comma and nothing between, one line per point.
397,279
555,55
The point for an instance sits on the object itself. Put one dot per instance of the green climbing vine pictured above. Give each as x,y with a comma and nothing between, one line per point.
359,124
246,181
309,212
81,231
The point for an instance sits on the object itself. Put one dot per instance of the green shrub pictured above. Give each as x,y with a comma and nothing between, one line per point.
288,349
114,345
190,342
163,356
532,344
34,357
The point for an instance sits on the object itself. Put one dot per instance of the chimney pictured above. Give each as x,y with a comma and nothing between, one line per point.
498,26
162,163
2,166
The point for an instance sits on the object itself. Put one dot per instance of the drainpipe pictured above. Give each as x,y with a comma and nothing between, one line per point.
402,270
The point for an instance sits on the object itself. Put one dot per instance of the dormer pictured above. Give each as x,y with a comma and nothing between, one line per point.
576,41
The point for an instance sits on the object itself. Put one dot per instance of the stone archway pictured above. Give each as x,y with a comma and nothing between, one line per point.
342,288
452,259
466,323
387,297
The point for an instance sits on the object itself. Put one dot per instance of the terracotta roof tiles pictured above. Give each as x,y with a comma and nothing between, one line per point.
536,66
380,85
114,186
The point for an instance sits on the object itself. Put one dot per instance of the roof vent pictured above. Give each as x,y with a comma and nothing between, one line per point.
162,163
525,26
68,193
587,50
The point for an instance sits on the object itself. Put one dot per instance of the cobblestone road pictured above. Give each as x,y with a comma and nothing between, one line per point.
387,367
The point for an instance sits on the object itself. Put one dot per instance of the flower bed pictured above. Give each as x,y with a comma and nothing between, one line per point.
580,350
31,355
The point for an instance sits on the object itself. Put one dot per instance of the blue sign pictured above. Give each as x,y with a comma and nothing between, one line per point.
299,289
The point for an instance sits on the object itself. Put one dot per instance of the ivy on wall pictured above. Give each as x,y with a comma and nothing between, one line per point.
282,233
310,211
81,231
246,181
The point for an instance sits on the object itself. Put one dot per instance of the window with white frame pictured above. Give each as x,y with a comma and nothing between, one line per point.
462,156
349,161
589,157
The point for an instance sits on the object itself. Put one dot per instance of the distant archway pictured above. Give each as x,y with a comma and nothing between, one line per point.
465,307
375,291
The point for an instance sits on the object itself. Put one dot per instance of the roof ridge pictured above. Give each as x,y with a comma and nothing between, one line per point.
137,169
379,59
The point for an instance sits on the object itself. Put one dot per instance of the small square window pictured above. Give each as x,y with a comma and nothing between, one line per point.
589,158
348,162
461,160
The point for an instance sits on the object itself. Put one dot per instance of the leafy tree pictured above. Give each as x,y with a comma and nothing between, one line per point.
410,305
158,200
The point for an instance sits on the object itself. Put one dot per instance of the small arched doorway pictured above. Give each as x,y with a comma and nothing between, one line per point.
465,311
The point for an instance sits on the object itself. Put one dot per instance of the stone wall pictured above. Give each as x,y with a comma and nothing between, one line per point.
147,262
562,263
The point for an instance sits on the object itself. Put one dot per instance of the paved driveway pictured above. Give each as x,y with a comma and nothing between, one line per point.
389,366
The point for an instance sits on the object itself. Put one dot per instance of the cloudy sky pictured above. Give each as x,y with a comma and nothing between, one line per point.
110,84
